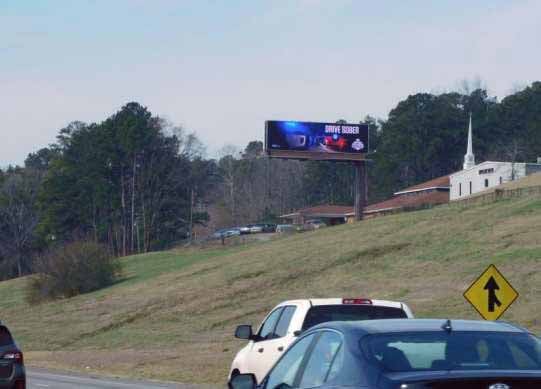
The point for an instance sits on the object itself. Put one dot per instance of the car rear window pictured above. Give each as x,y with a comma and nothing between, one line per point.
432,351
5,337
325,313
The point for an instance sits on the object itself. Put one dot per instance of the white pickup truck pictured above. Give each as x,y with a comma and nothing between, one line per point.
288,319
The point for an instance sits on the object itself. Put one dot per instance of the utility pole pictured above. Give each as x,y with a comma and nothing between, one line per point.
191,215
268,187
360,188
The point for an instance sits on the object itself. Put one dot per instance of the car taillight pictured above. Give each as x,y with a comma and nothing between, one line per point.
357,301
15,356
20,385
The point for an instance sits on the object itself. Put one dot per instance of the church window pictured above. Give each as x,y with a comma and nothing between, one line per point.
486,171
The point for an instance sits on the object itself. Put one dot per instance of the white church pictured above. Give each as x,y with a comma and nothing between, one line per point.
477,178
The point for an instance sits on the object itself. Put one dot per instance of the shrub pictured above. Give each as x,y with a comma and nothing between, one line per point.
72,269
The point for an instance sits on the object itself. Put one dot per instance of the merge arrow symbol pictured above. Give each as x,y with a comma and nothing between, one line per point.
493,301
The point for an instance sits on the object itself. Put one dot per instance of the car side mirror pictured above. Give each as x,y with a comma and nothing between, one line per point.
297,333
243,381
244,332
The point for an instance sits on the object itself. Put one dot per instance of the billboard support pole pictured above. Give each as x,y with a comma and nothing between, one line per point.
360,188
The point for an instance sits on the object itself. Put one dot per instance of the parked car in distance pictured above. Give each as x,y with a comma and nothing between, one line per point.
256,228
269,227
407,354
245,229
232,232
225,233
263,227
287,320
218,234
12,371
285,228
313,225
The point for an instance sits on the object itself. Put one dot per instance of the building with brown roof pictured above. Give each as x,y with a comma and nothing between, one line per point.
423,195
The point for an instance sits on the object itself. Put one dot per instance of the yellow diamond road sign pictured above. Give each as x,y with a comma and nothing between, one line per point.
491,294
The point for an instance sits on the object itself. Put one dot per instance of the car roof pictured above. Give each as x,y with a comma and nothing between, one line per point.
340,301
389,326
4,328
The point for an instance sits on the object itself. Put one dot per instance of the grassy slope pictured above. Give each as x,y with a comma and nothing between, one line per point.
173,316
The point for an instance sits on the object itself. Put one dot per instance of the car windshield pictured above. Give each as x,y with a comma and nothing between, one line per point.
324,313
430,351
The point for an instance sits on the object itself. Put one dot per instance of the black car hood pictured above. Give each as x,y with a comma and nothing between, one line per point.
465,379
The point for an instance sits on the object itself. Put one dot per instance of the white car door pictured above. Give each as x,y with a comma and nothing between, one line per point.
275,339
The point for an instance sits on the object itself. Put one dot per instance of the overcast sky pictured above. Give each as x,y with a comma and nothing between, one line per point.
221,68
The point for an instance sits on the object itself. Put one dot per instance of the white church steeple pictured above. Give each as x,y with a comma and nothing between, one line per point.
469,158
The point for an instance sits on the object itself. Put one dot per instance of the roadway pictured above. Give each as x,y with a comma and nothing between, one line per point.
40,379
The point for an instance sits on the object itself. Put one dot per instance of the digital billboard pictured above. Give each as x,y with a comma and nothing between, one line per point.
307,140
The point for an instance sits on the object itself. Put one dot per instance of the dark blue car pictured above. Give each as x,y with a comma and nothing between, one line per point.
407,354
12,372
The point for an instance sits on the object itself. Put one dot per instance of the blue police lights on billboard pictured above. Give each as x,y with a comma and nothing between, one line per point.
291,139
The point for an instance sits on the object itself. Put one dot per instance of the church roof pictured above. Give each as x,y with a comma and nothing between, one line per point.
442,182
400,202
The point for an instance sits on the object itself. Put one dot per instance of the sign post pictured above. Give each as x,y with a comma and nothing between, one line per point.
360,188
491,294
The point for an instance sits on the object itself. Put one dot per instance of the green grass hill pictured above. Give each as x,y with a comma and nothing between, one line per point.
173,315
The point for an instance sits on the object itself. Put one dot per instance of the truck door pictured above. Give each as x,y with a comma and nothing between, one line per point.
275,339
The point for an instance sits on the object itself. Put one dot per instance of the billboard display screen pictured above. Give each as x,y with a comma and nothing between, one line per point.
290,139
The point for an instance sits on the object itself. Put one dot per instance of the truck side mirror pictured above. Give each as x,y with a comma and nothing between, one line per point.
243,381
244,332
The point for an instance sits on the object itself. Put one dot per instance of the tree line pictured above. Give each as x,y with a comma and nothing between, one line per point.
127,183
132,181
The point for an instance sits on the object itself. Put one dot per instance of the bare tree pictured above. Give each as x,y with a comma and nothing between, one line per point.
228,169
18,217
514,152
467,86
190,146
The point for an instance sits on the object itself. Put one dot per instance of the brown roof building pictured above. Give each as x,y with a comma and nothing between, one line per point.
441,183
423,195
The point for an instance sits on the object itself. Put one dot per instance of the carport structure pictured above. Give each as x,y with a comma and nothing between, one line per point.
329,214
